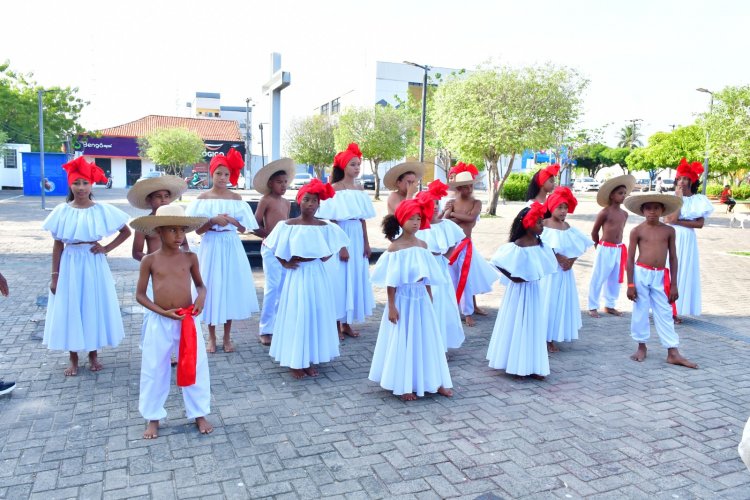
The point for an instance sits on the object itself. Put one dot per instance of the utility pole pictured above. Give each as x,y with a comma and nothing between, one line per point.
41,146
634,130
248,140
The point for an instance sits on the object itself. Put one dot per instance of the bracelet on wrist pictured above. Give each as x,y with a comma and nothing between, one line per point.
55,273
631,285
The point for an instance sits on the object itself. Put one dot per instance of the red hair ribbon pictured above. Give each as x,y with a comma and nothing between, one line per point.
233,161
560,195
187,358
342,159
322,190
535,213
546,173
435,190
463,167
81,169
416,206
691,170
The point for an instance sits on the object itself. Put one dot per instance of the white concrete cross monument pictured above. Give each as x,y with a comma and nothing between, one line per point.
273,87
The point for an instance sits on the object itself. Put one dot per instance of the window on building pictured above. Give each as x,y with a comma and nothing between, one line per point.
9,155
324,109
335,106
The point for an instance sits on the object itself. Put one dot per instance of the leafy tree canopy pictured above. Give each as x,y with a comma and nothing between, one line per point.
311,141
172,148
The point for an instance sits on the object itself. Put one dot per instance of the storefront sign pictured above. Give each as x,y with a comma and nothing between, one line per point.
107,146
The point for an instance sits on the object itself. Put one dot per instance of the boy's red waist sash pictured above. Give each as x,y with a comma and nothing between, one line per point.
623,256
187,359
465,265
667,282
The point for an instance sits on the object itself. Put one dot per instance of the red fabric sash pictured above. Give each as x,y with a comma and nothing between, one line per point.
667,283
623,256
187,360
465,243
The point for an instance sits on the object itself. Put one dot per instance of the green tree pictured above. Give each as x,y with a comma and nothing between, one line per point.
19,110
729,128
665,149
616,156
172,148
590,157
380,132
630,137
310,141
502,111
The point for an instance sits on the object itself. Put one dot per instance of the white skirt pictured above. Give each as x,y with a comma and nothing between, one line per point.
351,279
446,308
560,298
688,272
305,331
409,356
230,291
518,344
84,314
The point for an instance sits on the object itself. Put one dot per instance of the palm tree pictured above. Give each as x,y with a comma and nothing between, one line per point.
630,137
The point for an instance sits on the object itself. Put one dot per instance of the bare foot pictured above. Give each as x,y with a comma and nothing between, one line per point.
675,358
152,430
297,373
347,330
311,371
594,313
470,321
228,346
639,354
94,364
211,345
612,311
265,340
445,392
677,321
537,376
204,426
480,312
72,370
551,347
409,397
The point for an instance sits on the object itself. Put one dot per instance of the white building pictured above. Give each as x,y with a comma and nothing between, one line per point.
11,170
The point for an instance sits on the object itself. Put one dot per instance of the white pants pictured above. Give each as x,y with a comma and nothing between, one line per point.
649,285
162,336
274,281
606,274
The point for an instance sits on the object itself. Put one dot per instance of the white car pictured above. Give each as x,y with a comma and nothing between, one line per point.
301,180
585,184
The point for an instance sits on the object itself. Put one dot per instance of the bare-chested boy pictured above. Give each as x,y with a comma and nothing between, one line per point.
471,276
650,284
171,321
271,181
611,252
403,182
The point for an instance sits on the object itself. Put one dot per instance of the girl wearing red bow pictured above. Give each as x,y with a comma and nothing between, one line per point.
83,313
518,343
695,208
542,184
409,357
223,262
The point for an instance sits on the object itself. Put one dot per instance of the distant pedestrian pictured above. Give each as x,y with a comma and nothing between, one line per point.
659,186
5,386
726,198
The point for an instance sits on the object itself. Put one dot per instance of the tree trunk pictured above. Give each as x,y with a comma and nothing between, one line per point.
374,165
319,170
496,194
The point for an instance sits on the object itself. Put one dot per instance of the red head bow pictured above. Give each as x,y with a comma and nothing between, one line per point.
560,195
342,159
322,190
437,189
81,169
463,167
692,170
535,213
422,207
233,161
546,173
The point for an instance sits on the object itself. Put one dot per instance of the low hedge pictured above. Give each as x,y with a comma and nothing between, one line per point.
516,186
738,192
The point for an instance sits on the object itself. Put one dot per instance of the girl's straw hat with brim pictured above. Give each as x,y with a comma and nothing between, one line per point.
260,181
462,179
602,197
391,177
139,192
671,202
167,215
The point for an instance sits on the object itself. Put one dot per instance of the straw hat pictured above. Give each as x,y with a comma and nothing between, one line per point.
167,215
139,192
602,197
260,181
671,202
461,179
390,178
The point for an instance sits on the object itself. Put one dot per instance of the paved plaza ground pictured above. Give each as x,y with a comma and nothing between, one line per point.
600,426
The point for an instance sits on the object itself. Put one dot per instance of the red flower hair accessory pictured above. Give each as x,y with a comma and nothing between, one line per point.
416,206
546,173
233,161
535,213
437,189
463,167
81,169
342,159
691,170
560,195
316,187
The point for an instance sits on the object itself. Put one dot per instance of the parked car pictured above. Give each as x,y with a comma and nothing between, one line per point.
368,181
667,185
585,184
152,174
642,185
300,180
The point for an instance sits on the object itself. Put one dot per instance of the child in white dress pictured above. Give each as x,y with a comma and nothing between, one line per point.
441,237
518,343
560,295
409,357
305,331
223,261
351,270
83,313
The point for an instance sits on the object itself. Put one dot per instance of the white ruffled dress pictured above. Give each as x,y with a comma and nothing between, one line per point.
409,355
351,279
560,295
688,259
84,313
305,331
519,341
230,291
440,238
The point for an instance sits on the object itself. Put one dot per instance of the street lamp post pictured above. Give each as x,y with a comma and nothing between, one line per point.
634,126
426,69
41,145
705,158
249,104
262,150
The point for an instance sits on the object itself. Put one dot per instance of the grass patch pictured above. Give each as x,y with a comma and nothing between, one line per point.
488,216
745,254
